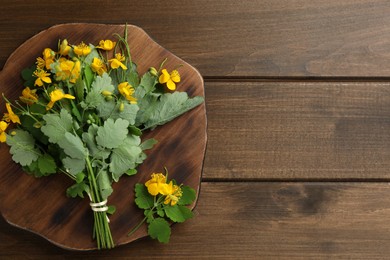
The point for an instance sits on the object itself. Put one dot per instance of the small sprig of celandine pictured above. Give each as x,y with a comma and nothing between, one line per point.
163,202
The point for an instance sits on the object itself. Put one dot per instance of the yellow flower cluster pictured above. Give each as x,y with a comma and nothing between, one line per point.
7,118
66,65
158,185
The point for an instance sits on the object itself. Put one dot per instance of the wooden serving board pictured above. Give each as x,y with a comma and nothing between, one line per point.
41,205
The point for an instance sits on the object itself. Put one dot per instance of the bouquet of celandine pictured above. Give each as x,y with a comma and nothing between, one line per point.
82,113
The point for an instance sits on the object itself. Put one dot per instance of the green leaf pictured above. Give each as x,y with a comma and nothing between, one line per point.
147,105
148,82
134,130
112,133
57,125
129,113
104,184
132,75
93,54
159,229
178,213
94,97
46,164
188,195
74,166
22,147
77,189
89,75
148,144
111,209
79,88
149,215
73,146
89,139
142,197
101,83
29,125
131,172
124,157
110,109
170,106
160,211
27,75
80,177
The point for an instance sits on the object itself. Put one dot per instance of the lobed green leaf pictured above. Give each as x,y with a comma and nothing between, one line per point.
188,195
73,146
142,197
23,148
178,213
57,125
112,133
159,229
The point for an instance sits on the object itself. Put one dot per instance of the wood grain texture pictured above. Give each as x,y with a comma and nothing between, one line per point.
45,208
298,130
233,38
257,221
325,131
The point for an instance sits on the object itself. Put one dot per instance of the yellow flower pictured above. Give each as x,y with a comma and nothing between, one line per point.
67,70
64,48
127,91
98,66
10,116
106,45
157,184
57,95
48,56
169,79
3,127
41,64
82,49
174,194
29,96
117,62
42,76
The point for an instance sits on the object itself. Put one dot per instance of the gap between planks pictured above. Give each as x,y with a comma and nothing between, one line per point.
293,79
297,180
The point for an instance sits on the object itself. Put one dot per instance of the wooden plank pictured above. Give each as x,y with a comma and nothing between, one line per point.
298,130
255,220
233,38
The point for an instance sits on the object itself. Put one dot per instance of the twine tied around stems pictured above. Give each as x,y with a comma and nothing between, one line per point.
99,206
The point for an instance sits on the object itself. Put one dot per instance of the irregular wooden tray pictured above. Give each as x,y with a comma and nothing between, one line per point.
41,206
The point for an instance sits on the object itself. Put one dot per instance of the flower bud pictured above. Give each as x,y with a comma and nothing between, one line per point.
91,118
108,98
106,93
153,71
121,107
37,124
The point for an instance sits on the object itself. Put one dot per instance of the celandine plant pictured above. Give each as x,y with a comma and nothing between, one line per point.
163,201
82,113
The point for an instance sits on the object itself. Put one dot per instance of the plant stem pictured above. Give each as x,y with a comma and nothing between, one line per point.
102,232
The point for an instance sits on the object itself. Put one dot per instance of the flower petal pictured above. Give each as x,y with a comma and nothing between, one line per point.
171,85
3,137
164,77
175,76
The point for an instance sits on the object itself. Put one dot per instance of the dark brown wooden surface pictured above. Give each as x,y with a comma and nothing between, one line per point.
298,108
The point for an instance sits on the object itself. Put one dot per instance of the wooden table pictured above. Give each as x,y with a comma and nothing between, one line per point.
298,107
